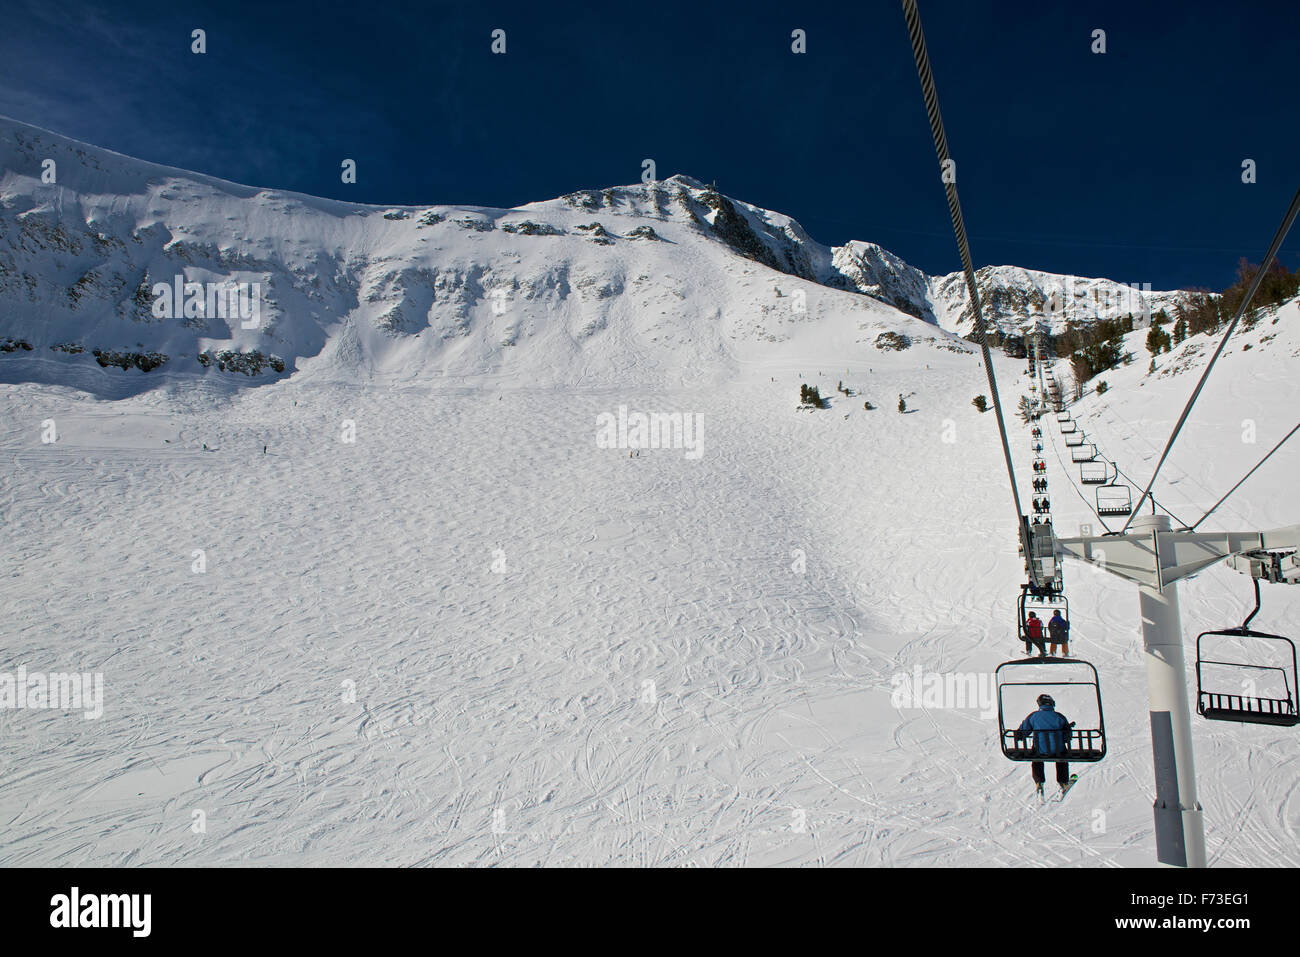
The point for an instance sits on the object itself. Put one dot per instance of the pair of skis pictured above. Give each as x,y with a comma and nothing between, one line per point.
1042,799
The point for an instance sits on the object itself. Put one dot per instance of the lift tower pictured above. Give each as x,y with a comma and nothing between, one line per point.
1155,558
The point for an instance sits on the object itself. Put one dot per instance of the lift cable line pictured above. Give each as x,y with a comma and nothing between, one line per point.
1280,235
1192,528
922,58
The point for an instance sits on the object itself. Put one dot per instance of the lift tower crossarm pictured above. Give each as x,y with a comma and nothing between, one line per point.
1160,558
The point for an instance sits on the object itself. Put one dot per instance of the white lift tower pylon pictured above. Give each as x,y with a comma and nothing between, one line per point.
1156,557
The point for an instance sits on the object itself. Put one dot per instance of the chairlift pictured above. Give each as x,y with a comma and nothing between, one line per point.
1044,602
1094,473
1114,498
1083,453
1069,427
1250,708
1085,745
1062,416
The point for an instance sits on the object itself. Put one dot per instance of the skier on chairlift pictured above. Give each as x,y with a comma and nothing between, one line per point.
1051,735
1059,631
1034,634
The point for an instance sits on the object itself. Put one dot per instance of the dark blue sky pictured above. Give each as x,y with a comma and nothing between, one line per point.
1125,165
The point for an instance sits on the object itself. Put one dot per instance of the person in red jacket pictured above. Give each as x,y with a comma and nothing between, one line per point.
1034,634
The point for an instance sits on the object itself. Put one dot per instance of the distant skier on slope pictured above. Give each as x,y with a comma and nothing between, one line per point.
1034,634
1051,736
1059,629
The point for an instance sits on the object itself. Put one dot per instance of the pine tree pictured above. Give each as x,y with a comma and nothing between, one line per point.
1025,410
1158,341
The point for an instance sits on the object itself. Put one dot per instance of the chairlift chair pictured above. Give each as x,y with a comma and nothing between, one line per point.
1085,745
1083,453
1249,708
1094,473
1062,416
1075,439
1114,498
1042,601
1069,427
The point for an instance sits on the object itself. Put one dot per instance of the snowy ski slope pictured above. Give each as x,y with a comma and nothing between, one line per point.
399,605
504,717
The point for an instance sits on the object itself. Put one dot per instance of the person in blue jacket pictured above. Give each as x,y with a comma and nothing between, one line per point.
1059,630
1051,736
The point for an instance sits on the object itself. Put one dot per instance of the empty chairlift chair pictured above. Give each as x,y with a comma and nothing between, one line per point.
1258,692
1069,427
1062,417
1075,439
1114,498
1083,453
1094,473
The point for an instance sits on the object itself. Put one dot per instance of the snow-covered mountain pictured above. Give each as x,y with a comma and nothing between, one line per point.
651,282
1017,299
